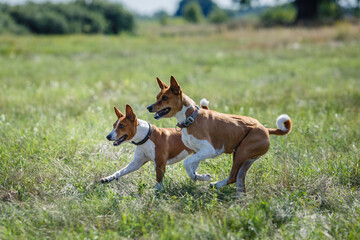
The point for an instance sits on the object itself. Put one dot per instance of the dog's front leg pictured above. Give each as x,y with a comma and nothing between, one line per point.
160,171
192,162
138,161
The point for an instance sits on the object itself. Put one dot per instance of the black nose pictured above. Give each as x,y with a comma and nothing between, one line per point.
108,137
150,108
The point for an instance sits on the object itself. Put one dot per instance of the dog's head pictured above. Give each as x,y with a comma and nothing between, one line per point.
124,127
168,101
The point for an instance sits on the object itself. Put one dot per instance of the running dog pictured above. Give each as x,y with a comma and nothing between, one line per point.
162,146
209,134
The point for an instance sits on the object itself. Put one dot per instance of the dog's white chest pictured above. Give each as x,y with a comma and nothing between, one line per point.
191,142
199,144
148,149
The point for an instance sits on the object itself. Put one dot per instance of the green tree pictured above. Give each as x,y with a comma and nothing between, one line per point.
308,9
218,16
7,25
207,6
193,13
162,16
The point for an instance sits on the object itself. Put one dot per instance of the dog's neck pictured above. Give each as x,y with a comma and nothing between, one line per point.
141,131
188,106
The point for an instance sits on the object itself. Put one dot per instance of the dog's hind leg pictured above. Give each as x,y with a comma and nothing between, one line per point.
240,180
244,168
253,146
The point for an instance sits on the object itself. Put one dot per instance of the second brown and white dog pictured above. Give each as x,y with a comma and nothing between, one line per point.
162,146
210,134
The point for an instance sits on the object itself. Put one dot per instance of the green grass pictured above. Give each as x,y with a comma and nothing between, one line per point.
56,100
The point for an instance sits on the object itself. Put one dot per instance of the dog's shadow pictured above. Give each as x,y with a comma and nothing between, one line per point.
198,191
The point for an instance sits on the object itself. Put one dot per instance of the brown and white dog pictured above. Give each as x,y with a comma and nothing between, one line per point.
210,134
162,146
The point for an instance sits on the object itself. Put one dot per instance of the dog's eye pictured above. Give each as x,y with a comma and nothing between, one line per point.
121,126
164,98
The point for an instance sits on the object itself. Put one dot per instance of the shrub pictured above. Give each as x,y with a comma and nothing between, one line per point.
39,19
7,25
329,11
279,15
218,16
75,17
80,19
193,13
162,16
207,6
117,17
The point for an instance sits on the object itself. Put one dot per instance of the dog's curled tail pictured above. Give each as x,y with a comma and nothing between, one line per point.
284,125
204,104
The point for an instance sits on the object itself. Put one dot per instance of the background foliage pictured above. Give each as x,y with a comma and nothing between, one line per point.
63,18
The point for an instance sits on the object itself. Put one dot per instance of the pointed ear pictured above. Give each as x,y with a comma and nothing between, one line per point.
129,113
174,86
118,113
162,85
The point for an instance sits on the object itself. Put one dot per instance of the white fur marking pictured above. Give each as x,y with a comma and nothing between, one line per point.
136,164
113,133
181,116
141,131
218,152
221,183
148,148
178,158
159,186
204,102
203,150
280,122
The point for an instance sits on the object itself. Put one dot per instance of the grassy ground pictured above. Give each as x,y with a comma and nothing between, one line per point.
56,99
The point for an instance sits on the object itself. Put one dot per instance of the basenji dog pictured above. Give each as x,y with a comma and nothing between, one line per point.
162,146
209,134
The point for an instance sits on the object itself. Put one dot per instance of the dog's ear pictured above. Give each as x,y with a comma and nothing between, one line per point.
174,86
129,113
118,113
162,85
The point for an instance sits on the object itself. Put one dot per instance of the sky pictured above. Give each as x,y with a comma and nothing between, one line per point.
148,7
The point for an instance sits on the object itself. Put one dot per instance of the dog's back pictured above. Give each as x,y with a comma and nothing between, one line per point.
223,130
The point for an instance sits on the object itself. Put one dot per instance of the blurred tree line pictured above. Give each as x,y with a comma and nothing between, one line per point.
293,12
197,10
305,11
79,16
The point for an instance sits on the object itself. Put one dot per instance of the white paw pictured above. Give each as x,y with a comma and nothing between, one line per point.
107,179
207,177
158,187
203,177
240,195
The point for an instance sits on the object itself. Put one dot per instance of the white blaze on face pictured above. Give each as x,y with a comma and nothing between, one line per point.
113,135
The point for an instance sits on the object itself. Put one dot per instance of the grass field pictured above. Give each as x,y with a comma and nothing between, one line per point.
56,107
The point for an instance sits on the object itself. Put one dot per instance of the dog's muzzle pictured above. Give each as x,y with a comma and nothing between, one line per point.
109,137
150,108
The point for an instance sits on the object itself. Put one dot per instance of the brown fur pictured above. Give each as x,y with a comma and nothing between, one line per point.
129,121
167,141
243,136
168,145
